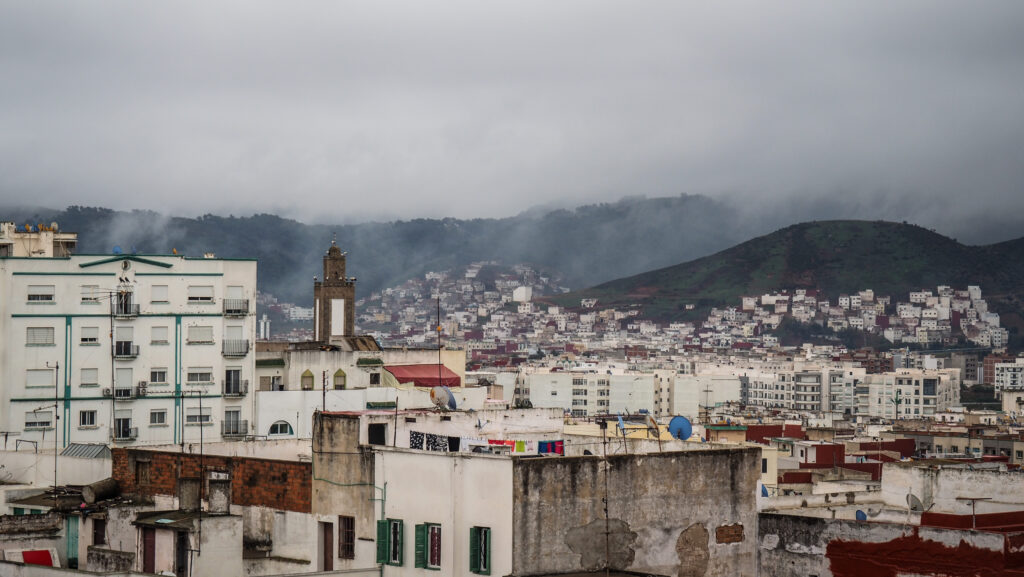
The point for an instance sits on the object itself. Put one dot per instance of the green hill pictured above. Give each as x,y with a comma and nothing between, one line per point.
832,256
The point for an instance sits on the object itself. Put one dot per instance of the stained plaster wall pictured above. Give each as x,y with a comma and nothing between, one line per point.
669,513
797,546
939,488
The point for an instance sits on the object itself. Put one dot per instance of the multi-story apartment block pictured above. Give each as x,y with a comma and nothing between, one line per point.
123,348
908,393
587,393
1008,375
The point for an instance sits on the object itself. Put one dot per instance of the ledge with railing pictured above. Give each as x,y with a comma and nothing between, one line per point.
125,350
234,428
235,388
235,347
124,433
236,307
124,310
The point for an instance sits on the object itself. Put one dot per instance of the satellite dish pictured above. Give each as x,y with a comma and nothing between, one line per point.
914,503
54,227
442,397
861,515
680,428
117,249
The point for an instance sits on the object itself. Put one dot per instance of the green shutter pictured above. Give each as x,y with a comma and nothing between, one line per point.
19,510
474,549
382,541
421,546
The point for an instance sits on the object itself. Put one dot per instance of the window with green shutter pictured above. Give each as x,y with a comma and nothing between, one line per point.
428,546
389,542
480,550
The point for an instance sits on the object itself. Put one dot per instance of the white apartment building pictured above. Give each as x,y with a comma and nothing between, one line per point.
909,393
124,348
809,389
1009,376
589,393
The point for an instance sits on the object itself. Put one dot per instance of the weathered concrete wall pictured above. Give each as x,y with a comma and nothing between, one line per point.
33,532
102,560
343,484
795,546
942,486
222,547
688,514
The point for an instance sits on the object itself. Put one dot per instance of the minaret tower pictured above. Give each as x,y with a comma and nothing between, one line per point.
334,299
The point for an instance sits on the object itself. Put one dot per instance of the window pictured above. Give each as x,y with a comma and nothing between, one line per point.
39,336
199,375
90,294
280,428
346,537
377,433
123,424
428,546
389,541
40,293
99,531
39,378
89,377
90,336
158,375
200,294
193,416
307,380
158,335
339,379
38,420
233,422
374,378
158,417
200,334
480,550
764,465
86,418
158,293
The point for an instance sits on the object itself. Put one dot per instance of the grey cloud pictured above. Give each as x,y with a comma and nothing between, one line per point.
334,111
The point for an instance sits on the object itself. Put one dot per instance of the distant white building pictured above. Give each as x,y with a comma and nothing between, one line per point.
522,294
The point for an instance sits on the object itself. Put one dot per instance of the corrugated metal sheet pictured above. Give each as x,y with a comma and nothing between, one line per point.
87,451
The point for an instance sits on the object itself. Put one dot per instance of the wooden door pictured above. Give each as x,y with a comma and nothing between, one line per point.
148,550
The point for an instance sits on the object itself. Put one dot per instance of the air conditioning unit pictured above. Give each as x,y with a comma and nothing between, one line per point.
133,433
143,383
107,392
142,389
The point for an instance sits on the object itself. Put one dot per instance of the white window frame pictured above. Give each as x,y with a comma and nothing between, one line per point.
89,336
200,335
154,336
159,294
162,421
41,293
89,377
200,294
39,336
199,371
38,378
195,416
34,420
82,424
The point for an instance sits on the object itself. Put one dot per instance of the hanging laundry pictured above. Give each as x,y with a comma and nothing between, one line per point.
560,447
453,444
436,443
543,447
415,440
495,442
520,446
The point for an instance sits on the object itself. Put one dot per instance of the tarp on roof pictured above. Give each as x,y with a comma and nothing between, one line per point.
424,375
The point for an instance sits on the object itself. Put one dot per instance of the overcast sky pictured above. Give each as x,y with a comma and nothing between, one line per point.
352,109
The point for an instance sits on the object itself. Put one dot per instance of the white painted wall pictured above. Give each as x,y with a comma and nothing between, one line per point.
458,491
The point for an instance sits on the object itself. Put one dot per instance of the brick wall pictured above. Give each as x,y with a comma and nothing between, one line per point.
283,485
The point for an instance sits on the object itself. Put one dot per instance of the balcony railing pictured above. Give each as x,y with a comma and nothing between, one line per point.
234,428
235,388
125,350
235,347
125,393
124,310
124,433
236,307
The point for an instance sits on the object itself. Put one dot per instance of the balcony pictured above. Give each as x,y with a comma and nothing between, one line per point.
124,433
235,388
125,393
235,347
236,307
234,428
125,350
123,310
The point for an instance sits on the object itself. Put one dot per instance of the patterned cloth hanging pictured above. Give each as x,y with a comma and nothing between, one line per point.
415,440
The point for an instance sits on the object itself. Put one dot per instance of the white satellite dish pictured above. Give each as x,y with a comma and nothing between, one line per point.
442,397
